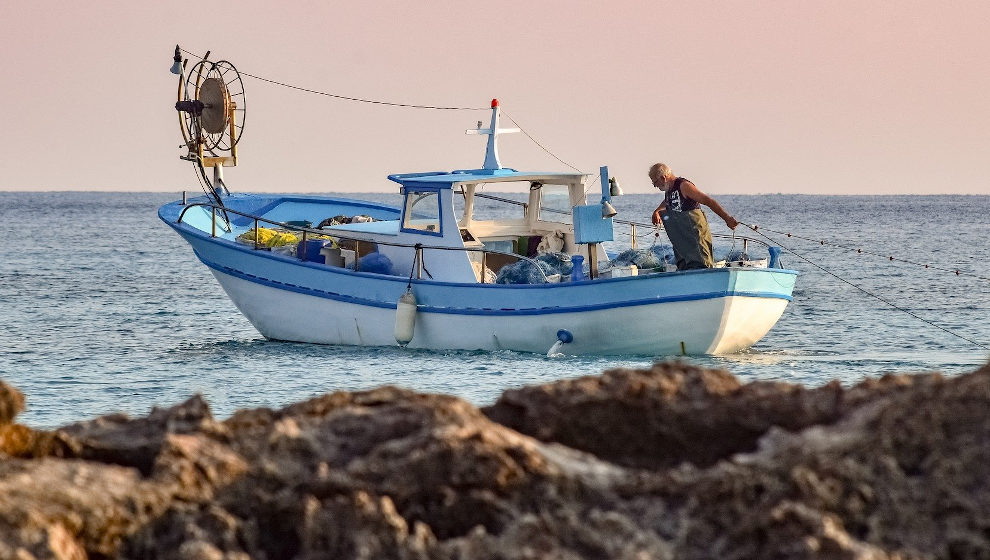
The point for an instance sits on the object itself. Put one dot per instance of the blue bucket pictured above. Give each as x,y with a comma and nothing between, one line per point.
309,250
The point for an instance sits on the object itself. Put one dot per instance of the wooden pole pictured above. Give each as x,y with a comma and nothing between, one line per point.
593,260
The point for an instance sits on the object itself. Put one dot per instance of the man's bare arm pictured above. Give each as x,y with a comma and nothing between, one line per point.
694,193
657,213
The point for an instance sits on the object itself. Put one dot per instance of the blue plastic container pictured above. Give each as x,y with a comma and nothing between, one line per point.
309,250
577,273
375,262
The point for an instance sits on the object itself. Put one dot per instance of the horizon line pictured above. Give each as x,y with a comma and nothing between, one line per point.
198,192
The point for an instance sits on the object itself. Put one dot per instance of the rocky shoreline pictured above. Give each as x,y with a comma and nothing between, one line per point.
670,462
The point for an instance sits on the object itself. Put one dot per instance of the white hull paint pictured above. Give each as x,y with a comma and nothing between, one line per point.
719,325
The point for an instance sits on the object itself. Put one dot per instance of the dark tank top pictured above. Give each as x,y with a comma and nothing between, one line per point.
676,201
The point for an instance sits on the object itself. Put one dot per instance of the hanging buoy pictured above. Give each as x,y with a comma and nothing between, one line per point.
564,336
405,318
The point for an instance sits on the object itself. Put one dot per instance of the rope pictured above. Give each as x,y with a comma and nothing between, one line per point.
412,271
592,184
544,148
864,290
649,233
358,99
348,98
890,258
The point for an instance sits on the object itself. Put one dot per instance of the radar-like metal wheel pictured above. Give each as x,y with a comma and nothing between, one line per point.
214,107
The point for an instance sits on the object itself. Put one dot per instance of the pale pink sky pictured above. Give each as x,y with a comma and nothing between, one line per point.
742,97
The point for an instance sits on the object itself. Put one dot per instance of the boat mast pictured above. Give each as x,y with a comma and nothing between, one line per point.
491,152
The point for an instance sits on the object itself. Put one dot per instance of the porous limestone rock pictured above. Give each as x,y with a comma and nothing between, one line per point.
11,403
669,462
671,413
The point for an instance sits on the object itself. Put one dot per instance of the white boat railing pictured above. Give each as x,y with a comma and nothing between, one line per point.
633,226
419,247
335,236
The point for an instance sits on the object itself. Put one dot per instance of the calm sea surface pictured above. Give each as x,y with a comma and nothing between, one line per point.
105,309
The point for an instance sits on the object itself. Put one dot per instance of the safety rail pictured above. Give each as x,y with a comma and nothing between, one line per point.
419,247
633,226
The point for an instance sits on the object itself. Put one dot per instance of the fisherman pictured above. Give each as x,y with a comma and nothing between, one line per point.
684,220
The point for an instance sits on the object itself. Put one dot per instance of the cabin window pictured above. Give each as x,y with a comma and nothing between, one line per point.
458,202
422,211
500,205
555,204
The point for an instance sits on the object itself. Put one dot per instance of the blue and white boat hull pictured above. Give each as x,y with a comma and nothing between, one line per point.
719,325
712,311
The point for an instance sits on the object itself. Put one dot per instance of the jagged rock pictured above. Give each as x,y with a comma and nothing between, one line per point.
674,412
11,403
902,474
562,535
188,531
16,440
121,440
196,466
890,468
660,417
51,508
20,441
441,464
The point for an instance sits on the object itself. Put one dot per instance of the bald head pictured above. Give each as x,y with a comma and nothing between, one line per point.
661,175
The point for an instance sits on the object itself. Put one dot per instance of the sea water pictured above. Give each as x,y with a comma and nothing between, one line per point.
105,309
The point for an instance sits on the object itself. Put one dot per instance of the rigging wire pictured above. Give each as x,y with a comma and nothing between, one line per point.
211,191
348,98
864,290
592,184
535,141
891,258
407,105
361,100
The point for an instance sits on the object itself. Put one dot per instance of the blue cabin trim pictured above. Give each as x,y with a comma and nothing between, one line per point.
407,188
446,179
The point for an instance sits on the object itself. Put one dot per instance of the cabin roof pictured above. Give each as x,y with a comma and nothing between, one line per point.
446,179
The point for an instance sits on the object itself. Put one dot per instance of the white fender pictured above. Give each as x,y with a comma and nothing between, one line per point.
405,318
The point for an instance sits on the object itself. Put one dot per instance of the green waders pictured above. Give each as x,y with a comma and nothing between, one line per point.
691,238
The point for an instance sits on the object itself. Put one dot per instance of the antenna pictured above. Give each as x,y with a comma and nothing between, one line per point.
211,105
491,152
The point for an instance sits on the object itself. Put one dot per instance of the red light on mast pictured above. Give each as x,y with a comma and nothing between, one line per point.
494,103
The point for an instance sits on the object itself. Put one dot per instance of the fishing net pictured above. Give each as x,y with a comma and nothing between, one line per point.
342,219
559,263
652,258
269,237
525,272
730,255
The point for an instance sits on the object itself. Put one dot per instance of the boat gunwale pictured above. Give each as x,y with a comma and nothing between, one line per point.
187,229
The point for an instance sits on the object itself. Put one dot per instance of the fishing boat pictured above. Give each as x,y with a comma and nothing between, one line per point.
431,272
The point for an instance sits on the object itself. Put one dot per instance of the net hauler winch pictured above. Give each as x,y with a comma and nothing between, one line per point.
211,106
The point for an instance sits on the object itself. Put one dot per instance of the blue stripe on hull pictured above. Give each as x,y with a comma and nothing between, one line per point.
484,311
